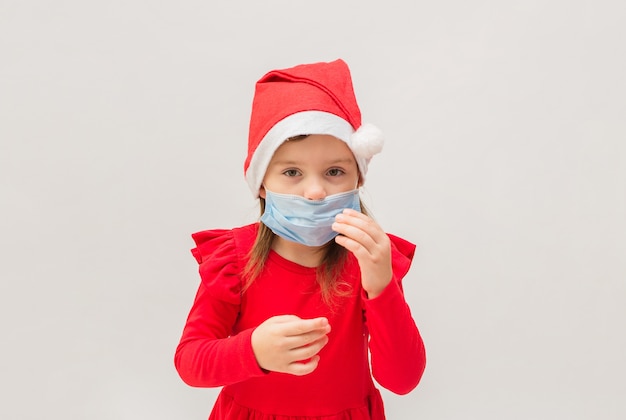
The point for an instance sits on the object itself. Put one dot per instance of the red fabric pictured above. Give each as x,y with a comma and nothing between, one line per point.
215,348
306,87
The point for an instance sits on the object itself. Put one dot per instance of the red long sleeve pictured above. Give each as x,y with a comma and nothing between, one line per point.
397,351
215,348
207,355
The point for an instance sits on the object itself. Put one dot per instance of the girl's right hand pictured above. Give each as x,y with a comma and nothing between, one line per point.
290,344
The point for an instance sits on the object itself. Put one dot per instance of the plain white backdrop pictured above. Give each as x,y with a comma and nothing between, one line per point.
123,129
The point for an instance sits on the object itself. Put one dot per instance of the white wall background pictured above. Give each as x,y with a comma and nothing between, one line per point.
123,129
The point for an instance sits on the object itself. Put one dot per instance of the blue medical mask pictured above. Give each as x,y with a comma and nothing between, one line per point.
306,221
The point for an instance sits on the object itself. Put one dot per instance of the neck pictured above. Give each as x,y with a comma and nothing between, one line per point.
307,256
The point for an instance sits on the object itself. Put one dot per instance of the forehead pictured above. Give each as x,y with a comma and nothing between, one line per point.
314,147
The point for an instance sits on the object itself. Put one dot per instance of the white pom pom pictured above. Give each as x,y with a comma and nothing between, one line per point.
367,141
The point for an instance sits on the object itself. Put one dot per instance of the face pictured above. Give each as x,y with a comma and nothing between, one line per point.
313,168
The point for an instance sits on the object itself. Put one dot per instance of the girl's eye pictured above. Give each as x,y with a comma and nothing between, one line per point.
335,172
291,172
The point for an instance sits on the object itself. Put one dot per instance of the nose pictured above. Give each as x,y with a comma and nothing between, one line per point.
314,190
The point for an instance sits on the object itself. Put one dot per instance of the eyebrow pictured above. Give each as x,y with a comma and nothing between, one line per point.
331,162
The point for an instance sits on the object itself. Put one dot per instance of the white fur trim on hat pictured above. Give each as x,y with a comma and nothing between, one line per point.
364,143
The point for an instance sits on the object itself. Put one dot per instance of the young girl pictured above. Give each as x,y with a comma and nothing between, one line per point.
292,311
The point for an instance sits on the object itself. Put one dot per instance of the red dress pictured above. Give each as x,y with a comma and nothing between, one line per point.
215,348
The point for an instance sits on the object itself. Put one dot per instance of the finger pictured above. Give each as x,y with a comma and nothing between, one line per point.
281,319
303,326
377,254
309,350
353,246
302,368
353,238
306,339
356,217
354,213
361,221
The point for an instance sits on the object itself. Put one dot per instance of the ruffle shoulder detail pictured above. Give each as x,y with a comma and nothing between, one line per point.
221,255
402,253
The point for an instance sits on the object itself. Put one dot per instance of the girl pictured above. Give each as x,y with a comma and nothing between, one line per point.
291,309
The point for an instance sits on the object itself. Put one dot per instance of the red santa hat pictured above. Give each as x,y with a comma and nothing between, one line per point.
306,99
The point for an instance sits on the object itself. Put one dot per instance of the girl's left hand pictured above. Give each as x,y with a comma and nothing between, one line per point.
371,246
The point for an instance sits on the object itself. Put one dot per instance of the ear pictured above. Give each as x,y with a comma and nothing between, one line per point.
262,192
